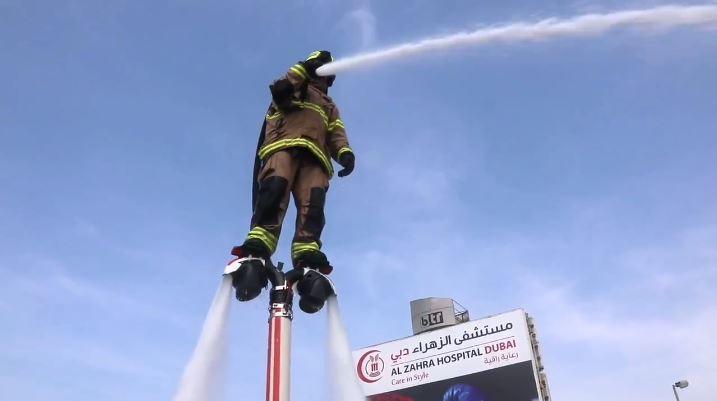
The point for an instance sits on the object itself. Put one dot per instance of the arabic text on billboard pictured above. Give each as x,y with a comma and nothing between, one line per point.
494,343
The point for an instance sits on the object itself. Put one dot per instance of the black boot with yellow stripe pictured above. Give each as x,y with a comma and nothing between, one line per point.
252,247
312,259
250,274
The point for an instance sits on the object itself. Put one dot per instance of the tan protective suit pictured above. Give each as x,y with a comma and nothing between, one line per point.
296,155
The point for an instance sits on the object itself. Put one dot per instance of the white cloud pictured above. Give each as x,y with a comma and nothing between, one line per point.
34,291
645,324
629,357
366,22
56,317
619,319
360,25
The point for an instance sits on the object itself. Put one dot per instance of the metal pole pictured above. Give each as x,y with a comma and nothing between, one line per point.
248,280
278,364
674,390
278,380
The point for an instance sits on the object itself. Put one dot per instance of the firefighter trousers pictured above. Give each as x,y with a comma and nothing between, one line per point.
297,172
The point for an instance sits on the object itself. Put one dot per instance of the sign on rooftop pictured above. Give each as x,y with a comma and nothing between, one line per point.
490,359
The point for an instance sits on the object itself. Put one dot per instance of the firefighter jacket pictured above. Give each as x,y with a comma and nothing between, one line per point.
313,123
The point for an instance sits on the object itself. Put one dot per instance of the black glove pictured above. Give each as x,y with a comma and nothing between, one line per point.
312,64
347,160
282,91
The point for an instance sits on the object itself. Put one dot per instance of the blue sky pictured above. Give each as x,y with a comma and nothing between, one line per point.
574,178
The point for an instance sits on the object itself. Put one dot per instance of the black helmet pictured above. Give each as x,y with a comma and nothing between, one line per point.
321,56
318,58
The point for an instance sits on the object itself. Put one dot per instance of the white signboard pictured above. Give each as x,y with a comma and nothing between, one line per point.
459,350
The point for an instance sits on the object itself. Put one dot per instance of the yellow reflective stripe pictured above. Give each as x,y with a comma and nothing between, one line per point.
268,238
299,70
264,240
316,54
337,123
287,143
315,107
298,248
305,245
264,236
344,150
267,233
303,105
267,150
313,55
304,249
294,254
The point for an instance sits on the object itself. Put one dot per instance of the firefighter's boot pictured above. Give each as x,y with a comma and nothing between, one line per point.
252,275
251,247
313,260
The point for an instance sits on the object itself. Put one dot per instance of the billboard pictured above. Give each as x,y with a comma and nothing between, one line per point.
490,359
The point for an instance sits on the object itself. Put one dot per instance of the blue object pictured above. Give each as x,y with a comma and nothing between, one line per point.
464,392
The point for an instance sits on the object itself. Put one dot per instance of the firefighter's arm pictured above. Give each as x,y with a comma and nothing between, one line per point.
339,144
285,89
298,74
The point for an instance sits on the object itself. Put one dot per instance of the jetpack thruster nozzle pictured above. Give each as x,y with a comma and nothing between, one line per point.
314,289
249,276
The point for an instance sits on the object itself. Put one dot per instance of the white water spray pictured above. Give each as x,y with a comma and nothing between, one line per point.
204,374
340,373
585,25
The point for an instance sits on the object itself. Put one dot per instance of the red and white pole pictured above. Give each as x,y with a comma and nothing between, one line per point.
249,276
278,382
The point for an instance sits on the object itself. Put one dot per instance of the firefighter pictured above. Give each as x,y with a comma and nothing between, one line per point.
302,132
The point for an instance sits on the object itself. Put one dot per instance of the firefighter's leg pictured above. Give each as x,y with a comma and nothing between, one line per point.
309,192
275,181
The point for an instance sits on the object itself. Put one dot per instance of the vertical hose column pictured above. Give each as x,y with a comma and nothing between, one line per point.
278,380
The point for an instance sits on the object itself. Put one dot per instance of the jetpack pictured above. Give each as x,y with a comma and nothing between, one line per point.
249,276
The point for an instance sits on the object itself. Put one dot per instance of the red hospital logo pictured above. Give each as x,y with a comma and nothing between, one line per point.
370,366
